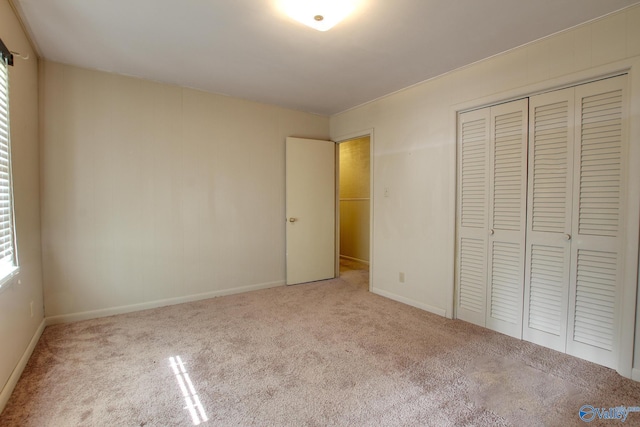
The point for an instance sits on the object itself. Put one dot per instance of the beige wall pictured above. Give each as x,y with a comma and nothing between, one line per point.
354,198
415,150
17,326
155,193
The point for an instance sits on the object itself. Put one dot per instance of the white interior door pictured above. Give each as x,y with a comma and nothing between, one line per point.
551,131
492,189
507,216
575,226
595,291
310,210
473,195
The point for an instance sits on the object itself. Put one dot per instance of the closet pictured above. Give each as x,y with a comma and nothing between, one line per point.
539,227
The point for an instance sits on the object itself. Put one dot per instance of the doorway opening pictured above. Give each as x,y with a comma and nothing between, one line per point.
354,189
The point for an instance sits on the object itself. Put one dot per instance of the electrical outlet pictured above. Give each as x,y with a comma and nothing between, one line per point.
401,277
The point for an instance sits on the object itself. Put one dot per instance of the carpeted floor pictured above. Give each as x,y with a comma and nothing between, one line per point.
326,353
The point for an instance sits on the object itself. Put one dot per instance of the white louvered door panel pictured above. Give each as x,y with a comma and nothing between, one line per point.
507,216
551,134
597,244
473,194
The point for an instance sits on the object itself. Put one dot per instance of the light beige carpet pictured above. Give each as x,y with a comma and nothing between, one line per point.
327,353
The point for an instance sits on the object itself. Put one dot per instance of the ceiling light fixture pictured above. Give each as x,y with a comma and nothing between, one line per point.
321,15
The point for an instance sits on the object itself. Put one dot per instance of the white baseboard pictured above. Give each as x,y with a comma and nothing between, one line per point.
635,374
408,301
94,314
354,259
17,371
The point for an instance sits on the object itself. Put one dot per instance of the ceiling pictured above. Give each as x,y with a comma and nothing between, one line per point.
250,49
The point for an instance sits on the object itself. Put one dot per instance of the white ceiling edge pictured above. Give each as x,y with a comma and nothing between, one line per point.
471,64
16,5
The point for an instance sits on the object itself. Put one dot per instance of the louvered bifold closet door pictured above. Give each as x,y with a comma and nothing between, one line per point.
551,134
473,195
598,204
507,216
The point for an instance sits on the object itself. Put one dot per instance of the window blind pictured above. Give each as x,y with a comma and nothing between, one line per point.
7,242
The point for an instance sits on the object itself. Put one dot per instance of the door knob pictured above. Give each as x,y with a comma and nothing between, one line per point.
293,219
567,236
491,232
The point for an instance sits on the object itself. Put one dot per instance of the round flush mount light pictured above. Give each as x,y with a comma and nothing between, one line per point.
321,15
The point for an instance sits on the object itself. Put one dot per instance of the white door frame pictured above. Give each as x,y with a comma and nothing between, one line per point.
338,140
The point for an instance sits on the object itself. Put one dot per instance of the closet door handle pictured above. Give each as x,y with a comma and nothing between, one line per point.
567,237
492,232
